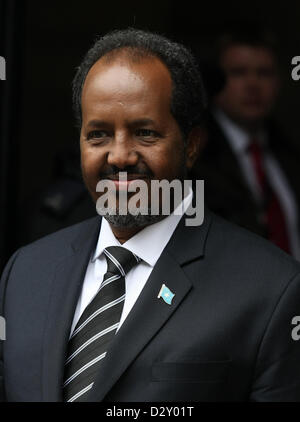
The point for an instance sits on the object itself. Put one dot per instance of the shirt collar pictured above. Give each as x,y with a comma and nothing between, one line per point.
238,137
149,243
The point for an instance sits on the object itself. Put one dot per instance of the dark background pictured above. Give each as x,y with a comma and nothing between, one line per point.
43,42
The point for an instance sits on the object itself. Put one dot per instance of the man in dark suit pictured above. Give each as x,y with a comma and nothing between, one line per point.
250,166
201,313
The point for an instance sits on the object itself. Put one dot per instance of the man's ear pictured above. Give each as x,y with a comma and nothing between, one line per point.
196,141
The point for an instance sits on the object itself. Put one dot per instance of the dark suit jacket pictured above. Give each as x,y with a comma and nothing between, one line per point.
225,337
226,191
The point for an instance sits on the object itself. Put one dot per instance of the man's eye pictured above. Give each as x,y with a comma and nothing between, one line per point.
237,72
147,133
96,134
265,73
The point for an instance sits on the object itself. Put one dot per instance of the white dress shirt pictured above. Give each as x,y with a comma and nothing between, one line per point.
239,140
148,244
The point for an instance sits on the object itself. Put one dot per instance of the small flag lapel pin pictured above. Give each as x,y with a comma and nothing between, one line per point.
166,294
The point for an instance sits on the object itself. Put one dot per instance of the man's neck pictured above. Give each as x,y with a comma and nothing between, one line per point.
249,126
122,234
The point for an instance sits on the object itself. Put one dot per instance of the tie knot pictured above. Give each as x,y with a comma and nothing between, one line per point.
120,260
255,146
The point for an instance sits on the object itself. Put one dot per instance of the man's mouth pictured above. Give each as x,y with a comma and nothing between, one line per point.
123,183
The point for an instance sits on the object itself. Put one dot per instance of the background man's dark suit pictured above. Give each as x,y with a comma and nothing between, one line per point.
226,191
226,336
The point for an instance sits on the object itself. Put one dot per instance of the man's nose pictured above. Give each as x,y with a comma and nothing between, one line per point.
253,79
122,153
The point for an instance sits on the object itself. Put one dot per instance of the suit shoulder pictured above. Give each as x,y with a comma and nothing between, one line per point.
58,244
238,245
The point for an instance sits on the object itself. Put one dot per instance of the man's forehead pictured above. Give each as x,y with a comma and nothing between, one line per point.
122,79
123,64
247,52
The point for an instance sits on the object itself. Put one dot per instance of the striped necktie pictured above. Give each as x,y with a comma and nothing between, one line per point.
97,326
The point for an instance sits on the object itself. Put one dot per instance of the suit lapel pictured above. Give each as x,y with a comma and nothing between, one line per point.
66,288
146,318
149,313
227,163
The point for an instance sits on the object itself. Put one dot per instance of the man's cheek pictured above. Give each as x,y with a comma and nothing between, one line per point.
89,177
89,166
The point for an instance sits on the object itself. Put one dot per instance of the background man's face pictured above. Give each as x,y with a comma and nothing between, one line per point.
127,124
252,83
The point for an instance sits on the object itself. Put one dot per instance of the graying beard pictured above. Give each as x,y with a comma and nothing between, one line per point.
130,220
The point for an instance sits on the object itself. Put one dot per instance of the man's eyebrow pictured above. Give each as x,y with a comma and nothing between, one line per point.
142,122
96,123
137,122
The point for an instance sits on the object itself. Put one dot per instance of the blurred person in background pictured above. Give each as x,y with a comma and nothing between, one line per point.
63,202
249,165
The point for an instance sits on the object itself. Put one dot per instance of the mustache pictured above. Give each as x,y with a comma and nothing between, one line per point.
113,172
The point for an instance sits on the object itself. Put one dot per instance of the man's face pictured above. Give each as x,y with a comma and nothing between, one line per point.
252,83
127,124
